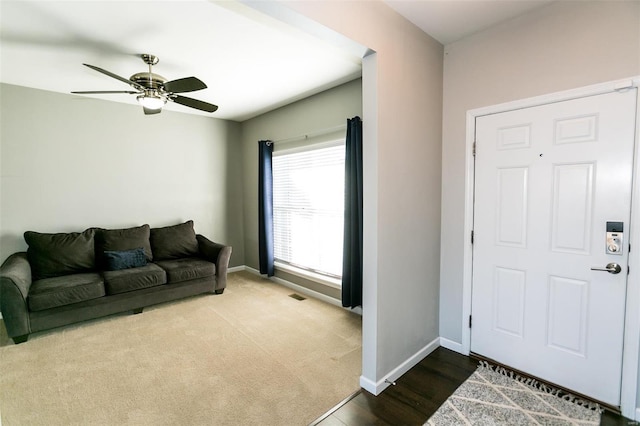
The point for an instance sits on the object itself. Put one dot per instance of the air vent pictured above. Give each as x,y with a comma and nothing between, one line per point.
297,296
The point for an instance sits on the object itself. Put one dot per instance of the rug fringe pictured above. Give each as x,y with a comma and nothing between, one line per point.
542,387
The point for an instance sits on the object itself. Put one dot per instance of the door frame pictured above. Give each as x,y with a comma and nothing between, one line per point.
631,350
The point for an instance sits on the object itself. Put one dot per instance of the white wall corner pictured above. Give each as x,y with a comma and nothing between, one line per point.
377,387
450,344
368,385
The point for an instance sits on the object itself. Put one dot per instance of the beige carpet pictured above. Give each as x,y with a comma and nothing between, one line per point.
252,356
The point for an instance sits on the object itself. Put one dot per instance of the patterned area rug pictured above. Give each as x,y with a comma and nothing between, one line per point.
491,397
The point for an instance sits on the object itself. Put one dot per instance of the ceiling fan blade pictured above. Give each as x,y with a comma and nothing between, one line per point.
193,103
117,77
88,92
182,85
148,111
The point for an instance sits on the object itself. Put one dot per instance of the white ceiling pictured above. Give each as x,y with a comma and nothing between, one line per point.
252,63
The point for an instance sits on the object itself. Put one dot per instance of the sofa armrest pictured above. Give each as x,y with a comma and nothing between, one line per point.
218,254
15,281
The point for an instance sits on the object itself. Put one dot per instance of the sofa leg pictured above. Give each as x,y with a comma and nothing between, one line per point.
20,339
220,291
137,311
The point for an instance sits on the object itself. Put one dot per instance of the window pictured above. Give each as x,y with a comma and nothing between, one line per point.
308,208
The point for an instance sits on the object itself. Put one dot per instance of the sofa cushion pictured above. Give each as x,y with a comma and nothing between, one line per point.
54,255
174,242
123,239
134,278
59,291
185,269
116,260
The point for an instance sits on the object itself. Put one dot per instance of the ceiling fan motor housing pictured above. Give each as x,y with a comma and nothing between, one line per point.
148,80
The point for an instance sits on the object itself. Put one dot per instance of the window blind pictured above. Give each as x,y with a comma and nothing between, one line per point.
308,208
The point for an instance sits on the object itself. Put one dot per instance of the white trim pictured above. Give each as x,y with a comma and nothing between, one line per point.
368,385
631,349
450,344
309,275
385,382
631,343
312,293
467,268
370,241
236,269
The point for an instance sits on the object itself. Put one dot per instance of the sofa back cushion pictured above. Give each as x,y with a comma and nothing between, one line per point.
123,239
54,255
174,242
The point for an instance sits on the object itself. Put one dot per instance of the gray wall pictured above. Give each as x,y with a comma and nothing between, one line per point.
68,163
326,110
561,46
402,113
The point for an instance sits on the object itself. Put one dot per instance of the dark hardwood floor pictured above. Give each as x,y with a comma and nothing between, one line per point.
417,395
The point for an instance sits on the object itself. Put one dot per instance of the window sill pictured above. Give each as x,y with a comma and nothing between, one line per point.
321,279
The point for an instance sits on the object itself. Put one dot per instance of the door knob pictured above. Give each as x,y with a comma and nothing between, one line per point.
612,268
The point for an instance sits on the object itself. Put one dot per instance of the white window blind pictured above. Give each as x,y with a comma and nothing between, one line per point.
308,209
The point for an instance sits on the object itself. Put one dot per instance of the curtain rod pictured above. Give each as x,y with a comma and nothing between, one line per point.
321,132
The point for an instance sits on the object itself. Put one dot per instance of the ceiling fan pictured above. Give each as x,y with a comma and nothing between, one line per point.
154,90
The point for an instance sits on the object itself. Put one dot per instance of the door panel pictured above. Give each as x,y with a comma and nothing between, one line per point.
548,178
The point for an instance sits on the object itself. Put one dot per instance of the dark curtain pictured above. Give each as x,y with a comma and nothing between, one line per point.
265,207
352,249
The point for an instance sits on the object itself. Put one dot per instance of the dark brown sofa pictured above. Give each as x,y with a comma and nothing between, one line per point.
65,278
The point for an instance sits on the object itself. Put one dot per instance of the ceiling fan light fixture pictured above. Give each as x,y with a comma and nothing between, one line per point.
151,102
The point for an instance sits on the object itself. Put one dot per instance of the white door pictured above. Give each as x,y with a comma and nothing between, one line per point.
548,179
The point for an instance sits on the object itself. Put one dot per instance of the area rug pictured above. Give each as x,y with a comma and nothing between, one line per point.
494,396
251,356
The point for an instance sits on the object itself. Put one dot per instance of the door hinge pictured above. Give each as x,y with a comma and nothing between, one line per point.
469,321
473,150
472,236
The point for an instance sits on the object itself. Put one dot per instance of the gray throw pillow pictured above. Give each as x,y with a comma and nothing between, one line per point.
173,242
124,239
54,255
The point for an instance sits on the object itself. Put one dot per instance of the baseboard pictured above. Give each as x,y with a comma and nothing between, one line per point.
368,385
236,269
450,344
304,290
301,289
389,379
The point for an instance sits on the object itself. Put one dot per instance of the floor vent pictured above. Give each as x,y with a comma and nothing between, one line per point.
297,296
